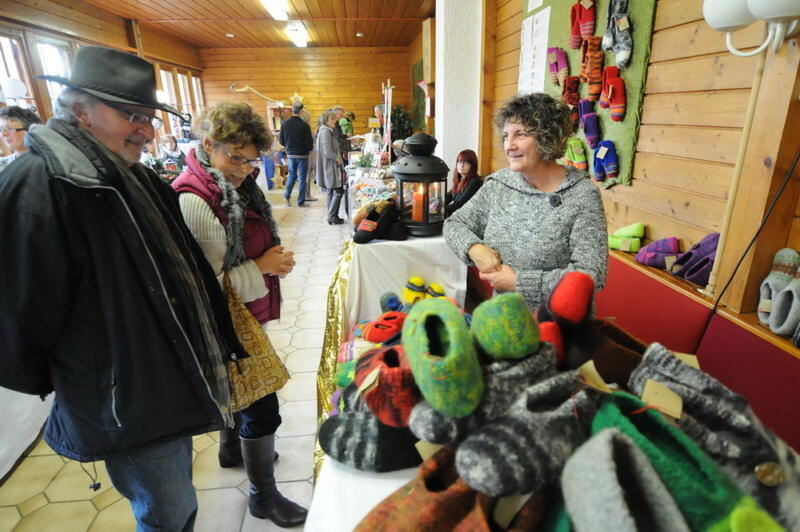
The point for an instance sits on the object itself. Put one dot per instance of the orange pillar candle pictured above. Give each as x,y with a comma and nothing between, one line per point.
418,206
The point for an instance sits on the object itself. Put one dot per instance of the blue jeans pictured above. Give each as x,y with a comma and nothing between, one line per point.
298,170
156,478
269,170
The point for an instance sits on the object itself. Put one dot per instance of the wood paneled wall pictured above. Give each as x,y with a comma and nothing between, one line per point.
164,47
325,77
506,67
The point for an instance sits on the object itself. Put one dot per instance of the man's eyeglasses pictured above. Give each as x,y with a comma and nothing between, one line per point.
137,118
10,129
238,160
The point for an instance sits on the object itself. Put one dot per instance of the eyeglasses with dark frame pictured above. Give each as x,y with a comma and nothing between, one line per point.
238,160
10,129
137,118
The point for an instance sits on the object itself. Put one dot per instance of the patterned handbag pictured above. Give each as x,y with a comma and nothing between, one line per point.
260,374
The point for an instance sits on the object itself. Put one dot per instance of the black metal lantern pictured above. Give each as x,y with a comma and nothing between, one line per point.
421,186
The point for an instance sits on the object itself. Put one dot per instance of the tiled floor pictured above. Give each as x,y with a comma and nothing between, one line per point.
50,493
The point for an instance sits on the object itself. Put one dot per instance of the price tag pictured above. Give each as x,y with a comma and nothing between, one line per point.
622,22
578,149
601,153
370,381
765,305
625,244
507,507
587,3
669,260
593,379
662,399
552,57
686,358
427,449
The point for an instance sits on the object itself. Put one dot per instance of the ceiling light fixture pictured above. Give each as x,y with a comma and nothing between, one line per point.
278,9
230,35
782,16
359,34
297,34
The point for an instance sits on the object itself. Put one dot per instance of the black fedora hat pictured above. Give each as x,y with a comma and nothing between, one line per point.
115,76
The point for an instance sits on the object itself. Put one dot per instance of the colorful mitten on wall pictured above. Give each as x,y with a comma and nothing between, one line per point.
558,65
784,266
613,93
605,161
581,24
592,58
589,122
618,33
655,253
442,357
609,72
575,154
722,423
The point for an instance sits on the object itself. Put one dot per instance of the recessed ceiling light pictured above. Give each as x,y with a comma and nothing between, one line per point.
230,35
359,34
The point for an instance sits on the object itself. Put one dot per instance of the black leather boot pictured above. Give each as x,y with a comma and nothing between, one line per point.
265,499
230,450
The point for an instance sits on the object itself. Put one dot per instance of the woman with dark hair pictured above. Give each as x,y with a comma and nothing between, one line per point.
534,221
466,181
232,222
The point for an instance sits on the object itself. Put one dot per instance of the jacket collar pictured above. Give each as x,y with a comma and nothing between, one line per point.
517,181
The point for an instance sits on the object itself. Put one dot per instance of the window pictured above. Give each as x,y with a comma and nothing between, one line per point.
12,67
197,87
186,98
168,85
55,59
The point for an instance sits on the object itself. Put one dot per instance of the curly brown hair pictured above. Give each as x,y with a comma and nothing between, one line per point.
233,123
542,115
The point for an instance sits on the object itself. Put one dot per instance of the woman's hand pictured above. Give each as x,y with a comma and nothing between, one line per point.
276,261
503,280
486,259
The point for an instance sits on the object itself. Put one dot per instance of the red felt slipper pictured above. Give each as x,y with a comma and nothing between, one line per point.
386,326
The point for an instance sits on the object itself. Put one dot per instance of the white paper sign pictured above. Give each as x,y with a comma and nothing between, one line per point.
534,4
533,52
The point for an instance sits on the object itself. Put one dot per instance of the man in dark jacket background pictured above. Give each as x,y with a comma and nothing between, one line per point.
296,138
105,293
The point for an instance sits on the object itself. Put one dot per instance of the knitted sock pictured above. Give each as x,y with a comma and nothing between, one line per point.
624,244
723,425
705,247
575,38
784,266
387,325
576,154
504,381
589,121
700,271
609,484
616,95
655,253
414,290
708,499
435,500
592,58
525,448
609,72
504,327
392,399
630,231
356,438
617,36
444,362
562,66
391,301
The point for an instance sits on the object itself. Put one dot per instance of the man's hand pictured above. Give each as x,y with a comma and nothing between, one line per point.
486,259
503,280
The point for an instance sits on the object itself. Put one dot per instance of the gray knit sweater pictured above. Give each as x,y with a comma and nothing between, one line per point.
540,235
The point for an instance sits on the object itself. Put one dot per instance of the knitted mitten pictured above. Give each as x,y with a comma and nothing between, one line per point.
605,161
504,327
589,122
575,154
618,34
592,58
527,446
723,425
599,482
503,380
784,266
357,438
552,65
609,72
617,99
708,499
395,394
442,357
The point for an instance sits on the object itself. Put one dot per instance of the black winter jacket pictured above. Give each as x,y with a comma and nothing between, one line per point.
84,310
296,136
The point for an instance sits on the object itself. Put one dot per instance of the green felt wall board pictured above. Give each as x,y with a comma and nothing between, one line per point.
624,134
417,98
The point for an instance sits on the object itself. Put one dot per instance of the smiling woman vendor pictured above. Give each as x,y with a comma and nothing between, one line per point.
534,221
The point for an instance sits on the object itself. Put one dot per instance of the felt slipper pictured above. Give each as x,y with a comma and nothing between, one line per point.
504,327
388,324
624,243
395,393
702,249
700,271
630,231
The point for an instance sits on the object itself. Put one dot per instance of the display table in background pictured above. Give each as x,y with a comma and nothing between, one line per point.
343,495
20,425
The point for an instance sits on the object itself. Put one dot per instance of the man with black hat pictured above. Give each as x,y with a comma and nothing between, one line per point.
105,293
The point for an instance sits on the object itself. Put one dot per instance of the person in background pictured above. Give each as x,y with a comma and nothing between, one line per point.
14,122
466,181
311,174
171,154
534,221
149,160
344,144
346,123
329,170
107,299
296,138
232,221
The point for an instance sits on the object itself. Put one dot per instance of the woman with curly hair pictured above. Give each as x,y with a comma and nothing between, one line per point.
534,221
466,181
232,222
